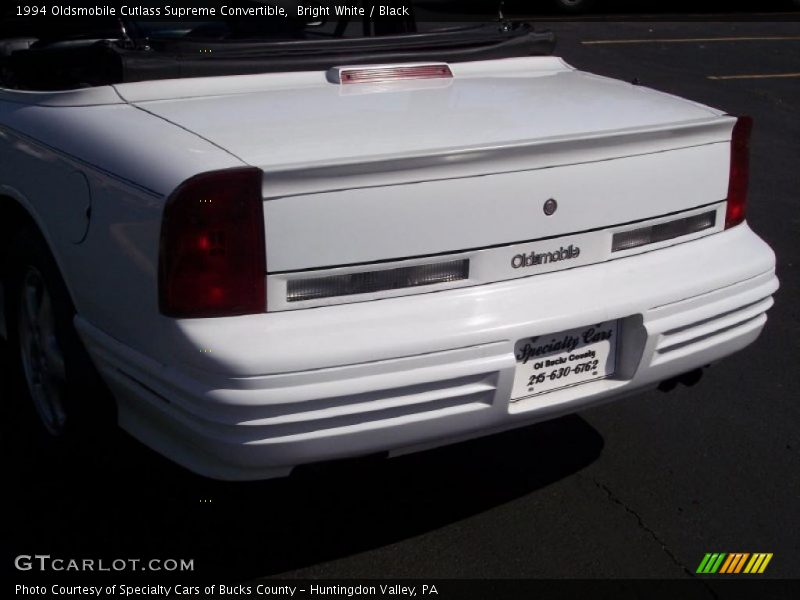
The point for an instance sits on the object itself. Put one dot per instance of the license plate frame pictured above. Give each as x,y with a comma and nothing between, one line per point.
564,359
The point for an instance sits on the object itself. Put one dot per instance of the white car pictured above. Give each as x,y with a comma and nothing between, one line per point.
282,251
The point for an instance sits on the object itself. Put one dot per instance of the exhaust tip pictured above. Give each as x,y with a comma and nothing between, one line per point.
688,379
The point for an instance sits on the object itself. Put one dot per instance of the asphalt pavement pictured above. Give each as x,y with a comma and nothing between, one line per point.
639,488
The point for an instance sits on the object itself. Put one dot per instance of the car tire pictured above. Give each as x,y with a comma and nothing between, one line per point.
54,381
573,6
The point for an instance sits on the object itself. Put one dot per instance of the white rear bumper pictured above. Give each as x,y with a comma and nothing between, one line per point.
251,397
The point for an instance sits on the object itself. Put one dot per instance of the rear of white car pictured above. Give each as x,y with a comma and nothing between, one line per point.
401,264
285,244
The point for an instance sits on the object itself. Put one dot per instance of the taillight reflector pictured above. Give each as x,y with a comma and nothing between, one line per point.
366,282
212,257
739,172
662,232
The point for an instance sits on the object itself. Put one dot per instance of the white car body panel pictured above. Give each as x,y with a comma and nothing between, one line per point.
478,212
411,118
374,177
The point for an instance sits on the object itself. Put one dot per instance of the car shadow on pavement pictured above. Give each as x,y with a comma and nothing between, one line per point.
120,500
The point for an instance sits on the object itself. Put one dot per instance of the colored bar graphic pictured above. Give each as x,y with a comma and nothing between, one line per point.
765,563
733,563
728,563
717,564
757,566
711,563
751,564
703,563
741,562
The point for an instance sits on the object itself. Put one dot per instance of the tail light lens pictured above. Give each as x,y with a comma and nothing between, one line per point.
212,255
739,173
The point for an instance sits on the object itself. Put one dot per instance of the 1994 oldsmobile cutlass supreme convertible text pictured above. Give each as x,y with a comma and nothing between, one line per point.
280,248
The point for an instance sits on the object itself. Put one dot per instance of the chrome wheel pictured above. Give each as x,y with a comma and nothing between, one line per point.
42,359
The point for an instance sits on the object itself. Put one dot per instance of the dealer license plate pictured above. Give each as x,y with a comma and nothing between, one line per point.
551,362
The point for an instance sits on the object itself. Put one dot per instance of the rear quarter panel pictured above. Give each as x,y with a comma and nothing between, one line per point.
94,178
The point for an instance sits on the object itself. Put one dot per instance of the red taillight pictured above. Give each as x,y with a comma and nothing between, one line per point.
212,256
740,172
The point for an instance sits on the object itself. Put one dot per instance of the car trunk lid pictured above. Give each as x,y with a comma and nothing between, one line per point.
380,172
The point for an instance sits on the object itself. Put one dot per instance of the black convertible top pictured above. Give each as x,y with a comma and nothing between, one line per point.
112,51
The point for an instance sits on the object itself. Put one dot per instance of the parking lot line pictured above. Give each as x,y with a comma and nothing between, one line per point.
756,76
772,38
667,17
